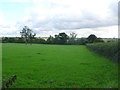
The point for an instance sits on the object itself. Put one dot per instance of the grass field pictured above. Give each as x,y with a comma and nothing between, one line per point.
57,66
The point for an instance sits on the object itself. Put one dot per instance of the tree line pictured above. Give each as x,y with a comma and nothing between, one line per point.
28,36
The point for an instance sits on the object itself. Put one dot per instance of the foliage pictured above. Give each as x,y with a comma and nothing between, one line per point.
21,40
108,49
72,38
91,38
57,66
50,40
39,41
81,41
61,38
27,34
12,40
99,40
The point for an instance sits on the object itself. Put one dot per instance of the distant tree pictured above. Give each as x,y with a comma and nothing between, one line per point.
5,39
11,40
73,35
50,40
27,34
99,40
81,41
19,40
42,41
56,40
72,38
63,38
39,41
92,38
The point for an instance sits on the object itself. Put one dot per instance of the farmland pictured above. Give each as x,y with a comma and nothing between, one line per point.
57,66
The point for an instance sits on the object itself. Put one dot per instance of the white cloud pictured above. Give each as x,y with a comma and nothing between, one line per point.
54,16
6,28
63,14
104,32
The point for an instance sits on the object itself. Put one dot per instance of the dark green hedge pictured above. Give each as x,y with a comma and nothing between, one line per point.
110,50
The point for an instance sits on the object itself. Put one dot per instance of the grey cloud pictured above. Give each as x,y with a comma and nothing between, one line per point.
72,21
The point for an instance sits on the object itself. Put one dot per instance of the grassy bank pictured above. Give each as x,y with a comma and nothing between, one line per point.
108,49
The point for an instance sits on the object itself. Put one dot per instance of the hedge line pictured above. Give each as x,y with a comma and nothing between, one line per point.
110,50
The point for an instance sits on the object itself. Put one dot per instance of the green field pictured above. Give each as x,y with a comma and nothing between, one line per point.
57,66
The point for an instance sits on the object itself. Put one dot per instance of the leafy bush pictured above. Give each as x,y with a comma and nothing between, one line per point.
108,49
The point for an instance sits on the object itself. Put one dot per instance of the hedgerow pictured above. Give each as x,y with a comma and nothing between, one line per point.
107,49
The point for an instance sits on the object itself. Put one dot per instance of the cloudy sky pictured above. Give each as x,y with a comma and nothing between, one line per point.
50,17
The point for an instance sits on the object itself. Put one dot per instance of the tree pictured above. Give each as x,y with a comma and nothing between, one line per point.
92,38
99,40
72,38
63,38
56,40
81,41
50,40
27,34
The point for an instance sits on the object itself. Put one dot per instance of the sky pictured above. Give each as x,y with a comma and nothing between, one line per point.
50,17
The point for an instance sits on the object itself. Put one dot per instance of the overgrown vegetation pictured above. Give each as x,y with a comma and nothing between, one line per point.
108,49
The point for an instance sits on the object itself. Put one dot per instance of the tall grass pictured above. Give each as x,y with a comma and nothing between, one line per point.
107,49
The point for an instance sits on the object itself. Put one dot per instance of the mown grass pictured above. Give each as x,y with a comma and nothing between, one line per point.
108,49
57,66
